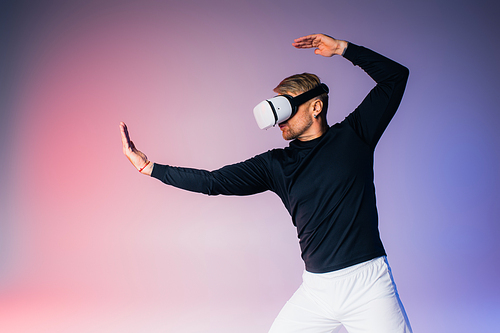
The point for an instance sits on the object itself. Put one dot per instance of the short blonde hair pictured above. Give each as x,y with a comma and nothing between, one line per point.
300,83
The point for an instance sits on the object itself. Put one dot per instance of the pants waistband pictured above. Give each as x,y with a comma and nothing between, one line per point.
348,270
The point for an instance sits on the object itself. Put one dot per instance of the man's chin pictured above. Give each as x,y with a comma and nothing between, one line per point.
287,136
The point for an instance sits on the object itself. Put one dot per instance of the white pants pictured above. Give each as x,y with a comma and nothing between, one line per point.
362,298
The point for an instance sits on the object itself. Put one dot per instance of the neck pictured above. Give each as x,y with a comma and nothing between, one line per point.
317,129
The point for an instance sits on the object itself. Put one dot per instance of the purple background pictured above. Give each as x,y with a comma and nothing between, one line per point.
88,245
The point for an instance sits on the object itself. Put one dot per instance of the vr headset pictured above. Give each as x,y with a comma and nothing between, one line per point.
278,109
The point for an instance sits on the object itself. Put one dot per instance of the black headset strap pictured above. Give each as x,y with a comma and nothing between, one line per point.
304,97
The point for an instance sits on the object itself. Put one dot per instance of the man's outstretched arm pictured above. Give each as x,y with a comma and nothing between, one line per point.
244,178
136,157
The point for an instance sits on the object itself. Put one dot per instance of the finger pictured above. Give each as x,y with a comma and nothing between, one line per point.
305,38
306,41
125,131
125,135
302,45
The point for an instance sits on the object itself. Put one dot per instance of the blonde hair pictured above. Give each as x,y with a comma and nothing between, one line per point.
300,83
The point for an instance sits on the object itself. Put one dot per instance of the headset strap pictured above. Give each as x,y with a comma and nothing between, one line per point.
304,97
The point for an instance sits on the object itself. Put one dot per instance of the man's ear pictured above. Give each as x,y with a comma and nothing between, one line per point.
317,105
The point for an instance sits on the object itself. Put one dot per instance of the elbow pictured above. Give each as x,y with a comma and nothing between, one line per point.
402,77
405,73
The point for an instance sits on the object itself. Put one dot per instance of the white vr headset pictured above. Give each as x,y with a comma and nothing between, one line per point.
278,109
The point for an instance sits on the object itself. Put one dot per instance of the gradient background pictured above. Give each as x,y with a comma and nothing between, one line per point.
89,245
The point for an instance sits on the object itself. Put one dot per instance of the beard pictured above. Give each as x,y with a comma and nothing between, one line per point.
296,127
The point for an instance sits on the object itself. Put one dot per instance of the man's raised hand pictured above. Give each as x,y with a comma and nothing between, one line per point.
325,45
136,157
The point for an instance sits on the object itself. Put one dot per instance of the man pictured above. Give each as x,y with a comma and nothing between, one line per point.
325,180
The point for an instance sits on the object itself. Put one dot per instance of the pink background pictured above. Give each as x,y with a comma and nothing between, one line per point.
89,245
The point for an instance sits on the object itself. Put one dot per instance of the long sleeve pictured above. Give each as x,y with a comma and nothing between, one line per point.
244,178
372,116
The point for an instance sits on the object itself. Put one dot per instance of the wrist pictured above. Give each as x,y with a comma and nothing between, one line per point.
342,47
147,169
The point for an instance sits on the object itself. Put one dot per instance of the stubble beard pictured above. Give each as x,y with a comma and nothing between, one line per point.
292,132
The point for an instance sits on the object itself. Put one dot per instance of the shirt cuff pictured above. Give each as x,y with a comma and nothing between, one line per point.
343,52
159,171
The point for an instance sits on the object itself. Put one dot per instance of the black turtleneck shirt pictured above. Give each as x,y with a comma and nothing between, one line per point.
326,184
